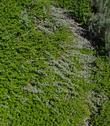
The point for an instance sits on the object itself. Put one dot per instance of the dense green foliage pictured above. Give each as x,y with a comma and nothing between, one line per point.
38,84
80,9
41,68
100,99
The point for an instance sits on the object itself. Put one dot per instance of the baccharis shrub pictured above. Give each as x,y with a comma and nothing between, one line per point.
100,21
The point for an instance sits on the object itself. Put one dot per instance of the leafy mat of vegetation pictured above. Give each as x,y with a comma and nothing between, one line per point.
34,89
40,74
100,106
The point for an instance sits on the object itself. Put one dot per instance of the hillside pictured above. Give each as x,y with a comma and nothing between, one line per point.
49,73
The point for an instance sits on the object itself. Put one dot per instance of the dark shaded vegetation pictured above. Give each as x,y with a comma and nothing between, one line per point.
100,25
